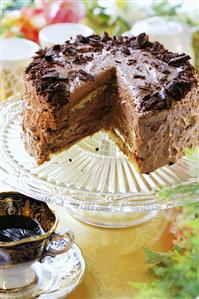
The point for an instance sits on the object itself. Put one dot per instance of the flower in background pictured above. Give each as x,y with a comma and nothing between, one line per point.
28,21
32,20
63,11
104,16
129,11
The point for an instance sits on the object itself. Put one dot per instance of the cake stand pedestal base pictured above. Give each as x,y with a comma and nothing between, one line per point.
110,219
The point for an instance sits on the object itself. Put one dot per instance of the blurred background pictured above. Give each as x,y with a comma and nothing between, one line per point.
27,24
174,23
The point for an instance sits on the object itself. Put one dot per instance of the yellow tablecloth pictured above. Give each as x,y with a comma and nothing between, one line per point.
115,257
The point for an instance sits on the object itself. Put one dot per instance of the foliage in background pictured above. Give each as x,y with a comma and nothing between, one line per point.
15,5
114,16
27,18
172,11
100,20
120,15
164,8
176,273
196,48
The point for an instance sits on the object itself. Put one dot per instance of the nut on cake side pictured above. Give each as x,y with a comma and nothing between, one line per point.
144,96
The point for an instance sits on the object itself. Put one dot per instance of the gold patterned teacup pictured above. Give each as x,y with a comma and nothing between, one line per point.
17,258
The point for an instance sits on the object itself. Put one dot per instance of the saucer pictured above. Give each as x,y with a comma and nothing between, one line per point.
56,277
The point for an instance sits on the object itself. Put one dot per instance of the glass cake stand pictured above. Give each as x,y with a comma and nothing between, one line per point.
93,179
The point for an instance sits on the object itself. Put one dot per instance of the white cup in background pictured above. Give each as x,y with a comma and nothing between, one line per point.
175,36
59,33
16,54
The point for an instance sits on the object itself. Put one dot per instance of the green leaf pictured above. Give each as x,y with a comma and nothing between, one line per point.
15,5
159,271
120,26
153,257
176,272
164,8
136,285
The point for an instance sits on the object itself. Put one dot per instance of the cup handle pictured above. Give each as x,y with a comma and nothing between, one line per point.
58,244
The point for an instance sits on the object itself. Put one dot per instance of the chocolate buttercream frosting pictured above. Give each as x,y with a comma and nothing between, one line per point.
143,76
169,76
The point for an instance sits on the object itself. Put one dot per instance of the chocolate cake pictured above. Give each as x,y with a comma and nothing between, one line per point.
143,95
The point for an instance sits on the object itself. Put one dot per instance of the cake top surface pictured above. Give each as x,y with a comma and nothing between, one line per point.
154,76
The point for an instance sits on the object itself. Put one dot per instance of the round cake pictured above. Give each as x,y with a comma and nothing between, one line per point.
143,95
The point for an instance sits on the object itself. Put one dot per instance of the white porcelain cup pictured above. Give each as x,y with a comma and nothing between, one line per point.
175,36
16,54
59,33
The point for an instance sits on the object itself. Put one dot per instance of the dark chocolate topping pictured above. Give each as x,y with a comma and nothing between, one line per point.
57,48
105,37
178,60
126,51
177,88
82,39
168,76
142,40
131,61
84,75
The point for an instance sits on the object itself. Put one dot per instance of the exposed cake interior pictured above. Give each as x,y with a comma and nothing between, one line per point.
99,109
86,117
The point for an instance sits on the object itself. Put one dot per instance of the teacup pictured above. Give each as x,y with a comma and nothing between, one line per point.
59,33
175,36
16,54
17,258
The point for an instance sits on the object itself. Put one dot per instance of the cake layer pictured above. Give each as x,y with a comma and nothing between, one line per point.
83,119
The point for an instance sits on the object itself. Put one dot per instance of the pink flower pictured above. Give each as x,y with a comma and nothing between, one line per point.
181,233
50,12
63,11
